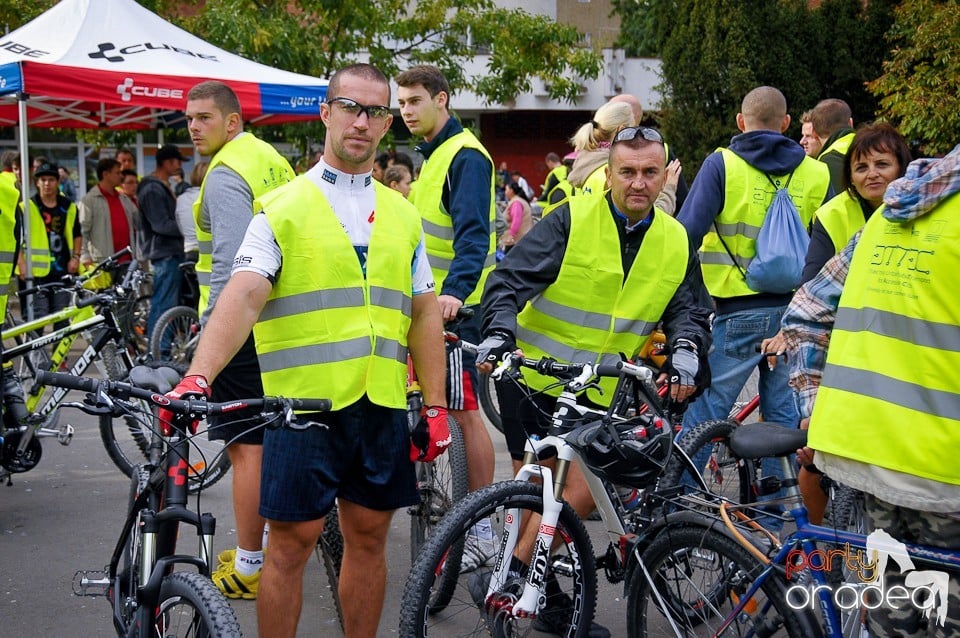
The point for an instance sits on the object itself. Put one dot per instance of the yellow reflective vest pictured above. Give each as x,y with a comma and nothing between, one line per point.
328,331
889,395
840,145
8,242
590,314
747,195
261,167
427,195
560,172
41,258
841,217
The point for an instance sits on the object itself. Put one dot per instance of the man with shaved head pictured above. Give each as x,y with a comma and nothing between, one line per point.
832,123
723,214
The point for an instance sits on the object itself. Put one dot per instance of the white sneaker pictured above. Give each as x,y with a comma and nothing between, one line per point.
476,552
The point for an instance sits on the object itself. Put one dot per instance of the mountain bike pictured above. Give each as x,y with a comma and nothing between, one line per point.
149,598
94,317
439,600
177,332
792,586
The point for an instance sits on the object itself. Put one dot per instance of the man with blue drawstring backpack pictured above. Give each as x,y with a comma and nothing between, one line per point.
723,214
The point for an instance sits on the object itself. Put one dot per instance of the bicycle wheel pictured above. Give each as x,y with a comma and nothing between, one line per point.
191,605
442,483
690,578
847,512
707,446
330,552
176,335
487,393
571,578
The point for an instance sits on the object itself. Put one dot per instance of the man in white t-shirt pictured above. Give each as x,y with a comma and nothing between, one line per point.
333,278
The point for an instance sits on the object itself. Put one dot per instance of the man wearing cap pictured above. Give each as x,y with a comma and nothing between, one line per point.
55,238
160,236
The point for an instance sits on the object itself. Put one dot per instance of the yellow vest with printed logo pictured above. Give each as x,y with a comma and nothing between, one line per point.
747,195
8,242
328,331
890,395
427,196
261,167
841,217
590,314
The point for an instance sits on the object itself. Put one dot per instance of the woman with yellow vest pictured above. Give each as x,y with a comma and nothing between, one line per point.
877,156
590,281
883,403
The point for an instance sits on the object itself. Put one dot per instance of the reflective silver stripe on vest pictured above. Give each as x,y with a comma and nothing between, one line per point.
39,254
6,257
318,353
390,349
391,300
722,258
911,396
203,277
727,231
575,316
441,263
931,334
637,327
438,231
206,247
556,349
311,301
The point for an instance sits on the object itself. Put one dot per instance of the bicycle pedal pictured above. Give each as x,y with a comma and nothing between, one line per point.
90,583
65,435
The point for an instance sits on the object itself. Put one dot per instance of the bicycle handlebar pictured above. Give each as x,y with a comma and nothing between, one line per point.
196,407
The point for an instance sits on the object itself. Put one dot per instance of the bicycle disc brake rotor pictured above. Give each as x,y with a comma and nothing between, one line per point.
18,463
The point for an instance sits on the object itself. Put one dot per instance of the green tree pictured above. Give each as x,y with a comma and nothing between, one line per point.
919,89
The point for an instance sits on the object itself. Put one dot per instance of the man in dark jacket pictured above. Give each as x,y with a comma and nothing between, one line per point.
595,277
160,236
832,122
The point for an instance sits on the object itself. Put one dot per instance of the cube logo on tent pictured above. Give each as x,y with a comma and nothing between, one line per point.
127,89
105,47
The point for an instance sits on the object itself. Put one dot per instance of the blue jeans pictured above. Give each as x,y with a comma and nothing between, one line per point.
166,288
734,356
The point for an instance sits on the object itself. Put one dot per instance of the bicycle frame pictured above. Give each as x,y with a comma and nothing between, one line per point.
567,411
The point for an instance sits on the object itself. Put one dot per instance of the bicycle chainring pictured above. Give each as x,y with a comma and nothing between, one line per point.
18,463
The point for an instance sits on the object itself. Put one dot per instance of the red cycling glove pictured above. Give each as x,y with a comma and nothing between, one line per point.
431,437
194,386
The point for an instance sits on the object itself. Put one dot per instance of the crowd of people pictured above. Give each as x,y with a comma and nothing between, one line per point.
615,246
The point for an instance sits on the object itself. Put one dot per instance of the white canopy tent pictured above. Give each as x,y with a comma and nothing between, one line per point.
114,64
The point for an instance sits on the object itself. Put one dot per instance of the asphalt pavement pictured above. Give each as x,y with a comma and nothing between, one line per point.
65,515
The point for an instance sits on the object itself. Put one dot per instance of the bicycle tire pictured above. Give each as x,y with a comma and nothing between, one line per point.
207,612
129,565
442,483
847,512
725,474
675,560
330,552
127,439
178,326
572,564
486,392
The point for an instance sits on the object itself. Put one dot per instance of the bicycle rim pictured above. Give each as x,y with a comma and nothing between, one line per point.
691,578
176,335
441,483
571,570
190,606
487,393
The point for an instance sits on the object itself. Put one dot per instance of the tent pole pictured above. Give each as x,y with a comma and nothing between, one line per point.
25,196
139,154
81,169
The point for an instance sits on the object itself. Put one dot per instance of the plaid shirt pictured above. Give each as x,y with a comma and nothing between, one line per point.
809,319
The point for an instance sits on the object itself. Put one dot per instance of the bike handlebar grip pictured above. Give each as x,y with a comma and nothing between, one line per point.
609,369
69,381
312,405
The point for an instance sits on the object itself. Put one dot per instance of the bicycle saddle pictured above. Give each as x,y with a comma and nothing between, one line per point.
760,440
162,379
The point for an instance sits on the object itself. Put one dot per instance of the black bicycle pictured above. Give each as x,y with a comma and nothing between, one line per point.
149,598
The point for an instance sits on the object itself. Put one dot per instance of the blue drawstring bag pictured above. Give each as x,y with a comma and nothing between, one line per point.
781,246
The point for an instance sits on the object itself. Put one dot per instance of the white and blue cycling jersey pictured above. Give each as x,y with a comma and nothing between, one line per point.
353,200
